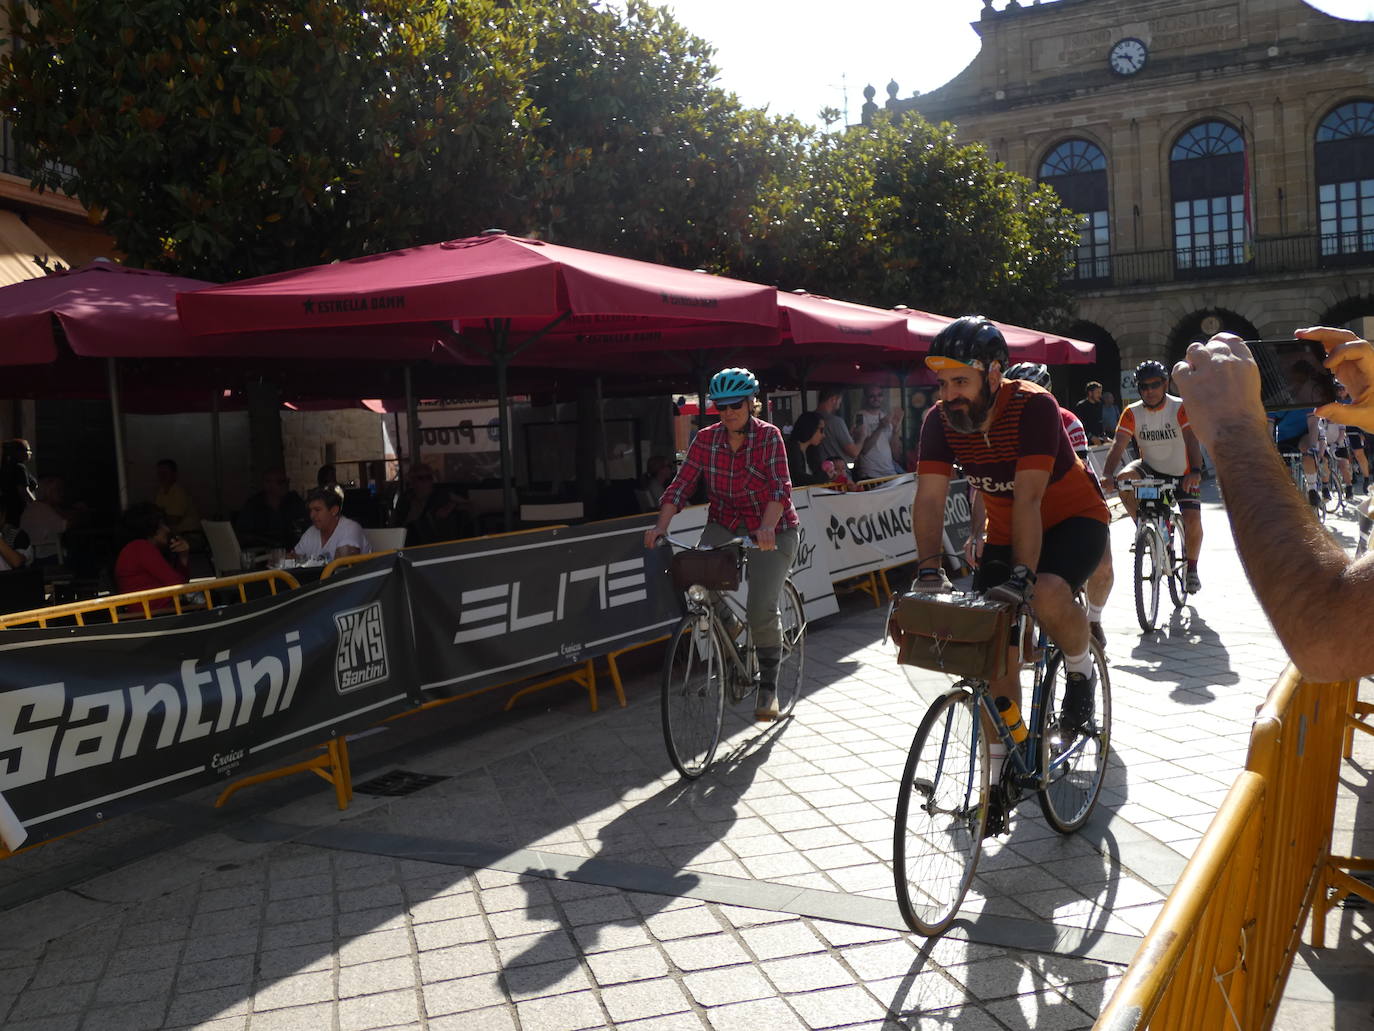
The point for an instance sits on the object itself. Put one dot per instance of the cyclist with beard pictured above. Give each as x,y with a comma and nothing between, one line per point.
1047,521
1158,423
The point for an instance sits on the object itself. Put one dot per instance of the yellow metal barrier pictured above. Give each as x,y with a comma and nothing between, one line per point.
193,597
1219,953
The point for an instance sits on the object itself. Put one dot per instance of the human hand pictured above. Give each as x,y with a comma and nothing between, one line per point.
651,536
766,539
178,546
973,549
1351,360
1017,590
1191,482
1220,385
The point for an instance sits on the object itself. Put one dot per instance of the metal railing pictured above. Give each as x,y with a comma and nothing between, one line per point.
1264,257
1219,953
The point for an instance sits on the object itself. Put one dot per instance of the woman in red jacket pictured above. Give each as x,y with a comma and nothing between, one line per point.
154,558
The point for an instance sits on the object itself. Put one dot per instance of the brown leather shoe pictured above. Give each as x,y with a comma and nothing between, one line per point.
766,709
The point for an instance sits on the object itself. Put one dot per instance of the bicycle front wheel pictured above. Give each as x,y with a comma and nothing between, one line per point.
693,695
941,813
1148,570
1073,763
793,647
1333,496
1178,572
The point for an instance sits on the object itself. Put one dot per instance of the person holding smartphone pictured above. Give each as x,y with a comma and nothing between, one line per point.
1317,598
1158,423
156,557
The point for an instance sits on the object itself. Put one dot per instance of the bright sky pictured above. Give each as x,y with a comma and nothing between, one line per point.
798,56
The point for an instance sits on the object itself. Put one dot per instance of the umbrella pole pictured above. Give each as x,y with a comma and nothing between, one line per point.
500,355
217,453
116,413
413,434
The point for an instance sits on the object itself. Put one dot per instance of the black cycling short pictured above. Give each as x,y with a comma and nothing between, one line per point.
1186,498
1070,550
1291,445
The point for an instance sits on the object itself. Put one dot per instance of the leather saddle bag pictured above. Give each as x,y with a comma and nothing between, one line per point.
958,634
714,570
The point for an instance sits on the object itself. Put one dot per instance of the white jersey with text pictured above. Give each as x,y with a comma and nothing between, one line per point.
1158,433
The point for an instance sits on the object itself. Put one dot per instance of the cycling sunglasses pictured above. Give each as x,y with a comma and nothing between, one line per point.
730,406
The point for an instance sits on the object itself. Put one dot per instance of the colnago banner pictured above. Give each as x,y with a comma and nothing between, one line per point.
489,611
862,531
101,719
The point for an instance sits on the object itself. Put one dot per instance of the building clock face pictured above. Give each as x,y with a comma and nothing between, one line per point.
1127,56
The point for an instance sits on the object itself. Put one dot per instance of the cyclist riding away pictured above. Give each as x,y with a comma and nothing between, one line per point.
1169,450
1047,520
744,463
1299,432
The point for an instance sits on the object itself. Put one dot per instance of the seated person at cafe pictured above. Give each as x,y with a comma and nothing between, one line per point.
803,451
14,544
273,517
326,475
428,513
177,506
155,557
45,522
332,534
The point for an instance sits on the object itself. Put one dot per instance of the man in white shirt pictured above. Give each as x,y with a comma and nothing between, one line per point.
44,522
878,436
837,445
332,534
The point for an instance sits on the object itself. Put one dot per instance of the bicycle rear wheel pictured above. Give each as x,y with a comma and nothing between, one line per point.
793,616
941,813
1148,570
693,695
1333,494
1178,571
1073,765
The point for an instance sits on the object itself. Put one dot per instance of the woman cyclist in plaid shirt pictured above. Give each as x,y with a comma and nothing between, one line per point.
744,463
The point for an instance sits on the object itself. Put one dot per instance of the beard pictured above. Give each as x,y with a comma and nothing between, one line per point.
966,416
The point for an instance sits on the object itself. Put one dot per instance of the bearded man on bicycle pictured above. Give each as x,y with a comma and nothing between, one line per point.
1047,520
1169,450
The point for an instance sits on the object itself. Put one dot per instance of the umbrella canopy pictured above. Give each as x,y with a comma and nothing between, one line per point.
105,310
562,296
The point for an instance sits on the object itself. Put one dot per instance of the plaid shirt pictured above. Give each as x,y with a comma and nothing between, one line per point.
739,483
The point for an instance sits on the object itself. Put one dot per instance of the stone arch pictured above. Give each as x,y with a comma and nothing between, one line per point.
1070,379
1355,309
1198,325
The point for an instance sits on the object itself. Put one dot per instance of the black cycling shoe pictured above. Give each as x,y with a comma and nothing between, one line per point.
1077,711
997,813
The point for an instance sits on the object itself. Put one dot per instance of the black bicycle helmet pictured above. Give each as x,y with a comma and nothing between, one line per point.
1151,369
1031,372
972,341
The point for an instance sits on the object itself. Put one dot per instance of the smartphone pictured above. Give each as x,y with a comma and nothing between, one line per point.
1292,374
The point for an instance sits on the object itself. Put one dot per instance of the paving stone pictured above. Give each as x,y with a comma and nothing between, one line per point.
296,960
441,933
772,1014
458,961
381,1010
728,984
294,1018
882,960
294,991
644,999
535,981
621,965
806,973
682,923
138,1016
836,1007
772,941
463,994
561,1013
535,948
380,976
200,1007
593,938
229,972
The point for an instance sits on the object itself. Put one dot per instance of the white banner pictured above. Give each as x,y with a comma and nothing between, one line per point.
862,531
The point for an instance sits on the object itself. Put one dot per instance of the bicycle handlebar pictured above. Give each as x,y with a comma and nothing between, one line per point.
1142,481
742,542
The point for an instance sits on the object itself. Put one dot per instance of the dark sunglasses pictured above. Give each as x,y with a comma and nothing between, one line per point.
731,406
1151,384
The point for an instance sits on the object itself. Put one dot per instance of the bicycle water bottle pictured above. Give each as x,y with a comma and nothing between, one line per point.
1011,716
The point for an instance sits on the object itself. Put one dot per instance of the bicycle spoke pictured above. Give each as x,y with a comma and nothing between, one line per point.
693,697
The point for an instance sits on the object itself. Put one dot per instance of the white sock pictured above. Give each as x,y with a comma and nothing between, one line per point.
997,755
1095,612
1079,663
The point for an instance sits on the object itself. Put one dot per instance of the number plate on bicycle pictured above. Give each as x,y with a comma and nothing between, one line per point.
1147,493
958,634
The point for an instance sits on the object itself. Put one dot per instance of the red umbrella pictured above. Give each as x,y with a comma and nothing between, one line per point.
509,297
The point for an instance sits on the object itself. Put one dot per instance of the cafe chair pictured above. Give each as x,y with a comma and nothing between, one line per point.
391,538
225,552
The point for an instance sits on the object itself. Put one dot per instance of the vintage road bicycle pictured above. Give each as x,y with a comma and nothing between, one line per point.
945,799
1309,488
711,658
1158,548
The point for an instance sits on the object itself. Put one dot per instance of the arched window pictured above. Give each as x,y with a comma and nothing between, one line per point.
1077,170
1344,158
1207,182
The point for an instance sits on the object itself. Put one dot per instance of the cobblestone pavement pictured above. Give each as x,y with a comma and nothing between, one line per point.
560,876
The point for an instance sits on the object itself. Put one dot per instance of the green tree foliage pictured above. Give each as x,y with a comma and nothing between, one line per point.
224,138
899,213
639,153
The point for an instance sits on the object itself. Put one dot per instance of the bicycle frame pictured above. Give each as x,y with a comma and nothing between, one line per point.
1027,772
743,665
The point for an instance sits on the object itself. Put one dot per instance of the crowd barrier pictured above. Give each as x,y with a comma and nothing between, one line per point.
1219,953
102,710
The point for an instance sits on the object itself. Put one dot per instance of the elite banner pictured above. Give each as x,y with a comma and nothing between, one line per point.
491,610
98,720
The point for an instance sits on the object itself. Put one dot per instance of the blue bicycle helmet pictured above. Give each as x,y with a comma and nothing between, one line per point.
1151,369
1031,372
732,384
972,341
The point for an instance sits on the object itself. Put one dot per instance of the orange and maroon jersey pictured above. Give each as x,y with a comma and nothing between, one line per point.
1025,432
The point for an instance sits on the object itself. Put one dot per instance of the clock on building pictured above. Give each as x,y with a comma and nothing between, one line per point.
1127,56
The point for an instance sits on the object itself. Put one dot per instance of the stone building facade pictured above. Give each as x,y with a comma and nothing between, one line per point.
1221,152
